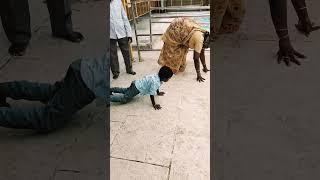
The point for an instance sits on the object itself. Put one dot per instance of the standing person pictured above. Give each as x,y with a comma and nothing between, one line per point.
182,34
120,32
85,80
15,18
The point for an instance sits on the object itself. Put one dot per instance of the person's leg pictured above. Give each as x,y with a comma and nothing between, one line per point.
114,62
31,91
118,90
72,96
61,22
15,19
183,64
124,47
129,93
35,118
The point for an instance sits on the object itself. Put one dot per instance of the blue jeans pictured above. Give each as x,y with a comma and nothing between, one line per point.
62,99
126,93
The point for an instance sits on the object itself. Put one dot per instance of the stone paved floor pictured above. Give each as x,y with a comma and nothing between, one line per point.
172,143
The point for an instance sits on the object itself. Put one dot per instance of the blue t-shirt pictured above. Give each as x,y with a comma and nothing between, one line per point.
148,85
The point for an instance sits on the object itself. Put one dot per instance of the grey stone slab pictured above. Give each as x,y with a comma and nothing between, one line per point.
148,140
123,170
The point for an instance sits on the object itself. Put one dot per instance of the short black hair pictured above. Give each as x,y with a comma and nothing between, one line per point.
165,73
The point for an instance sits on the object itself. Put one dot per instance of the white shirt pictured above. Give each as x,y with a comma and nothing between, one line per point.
119,23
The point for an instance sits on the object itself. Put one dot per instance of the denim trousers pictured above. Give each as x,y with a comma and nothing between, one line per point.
61,99
127,94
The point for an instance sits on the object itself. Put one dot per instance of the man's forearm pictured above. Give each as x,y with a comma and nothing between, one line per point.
152,100
197,65
278,10
203,58
298,3
301,9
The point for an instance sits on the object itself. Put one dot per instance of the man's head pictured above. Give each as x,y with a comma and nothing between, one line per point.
206,41
165,73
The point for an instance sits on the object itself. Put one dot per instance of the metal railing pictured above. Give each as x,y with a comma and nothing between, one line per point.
150,17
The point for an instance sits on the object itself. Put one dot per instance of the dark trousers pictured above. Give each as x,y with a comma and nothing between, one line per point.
63,99
15,17
114,61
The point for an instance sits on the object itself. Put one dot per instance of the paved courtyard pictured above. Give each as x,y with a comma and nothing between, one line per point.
172,143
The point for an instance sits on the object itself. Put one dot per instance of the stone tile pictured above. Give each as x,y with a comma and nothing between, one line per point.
114,130
146,139
191,158
124,170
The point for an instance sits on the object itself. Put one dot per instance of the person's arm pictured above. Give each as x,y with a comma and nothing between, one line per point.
304,25
160,93
278,10
126,22
155,106
196,57
286,52
203,61
301,9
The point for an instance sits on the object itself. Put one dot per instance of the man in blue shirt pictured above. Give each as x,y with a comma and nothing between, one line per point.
148,85
120,32
85,80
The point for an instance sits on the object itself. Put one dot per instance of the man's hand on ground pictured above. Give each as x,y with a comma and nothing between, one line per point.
157,106
306,27
160,93
287,54
205,70
200,78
